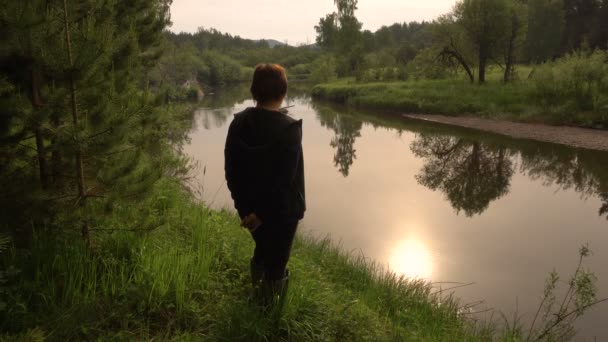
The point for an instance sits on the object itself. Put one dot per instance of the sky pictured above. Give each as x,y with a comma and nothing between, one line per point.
293,20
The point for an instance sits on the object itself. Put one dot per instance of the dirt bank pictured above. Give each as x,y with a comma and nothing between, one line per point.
571,136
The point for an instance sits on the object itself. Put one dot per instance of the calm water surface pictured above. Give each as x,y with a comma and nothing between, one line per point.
444,204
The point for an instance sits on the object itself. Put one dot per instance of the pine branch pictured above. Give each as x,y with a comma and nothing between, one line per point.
101,156
28,147
91,137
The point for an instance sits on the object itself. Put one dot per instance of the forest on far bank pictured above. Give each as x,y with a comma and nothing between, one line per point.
474,36
553,52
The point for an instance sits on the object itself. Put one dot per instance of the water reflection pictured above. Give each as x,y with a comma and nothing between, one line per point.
604,207
412,259
472,169
581,170
346,131
215,118
226,97
218,106
470,173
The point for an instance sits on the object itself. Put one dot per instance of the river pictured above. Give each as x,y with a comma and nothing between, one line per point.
437,202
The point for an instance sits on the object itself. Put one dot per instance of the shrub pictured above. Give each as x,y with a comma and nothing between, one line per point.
324,70
578,81
426,65
221,69
300,69
389,74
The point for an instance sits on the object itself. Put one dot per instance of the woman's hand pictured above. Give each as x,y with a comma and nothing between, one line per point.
251,222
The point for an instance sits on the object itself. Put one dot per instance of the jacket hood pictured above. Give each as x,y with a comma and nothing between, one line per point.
289,135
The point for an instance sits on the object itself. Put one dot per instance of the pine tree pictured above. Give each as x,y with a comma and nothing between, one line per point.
82,66
24,111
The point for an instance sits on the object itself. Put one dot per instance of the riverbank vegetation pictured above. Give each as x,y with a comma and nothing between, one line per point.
572,90
533,61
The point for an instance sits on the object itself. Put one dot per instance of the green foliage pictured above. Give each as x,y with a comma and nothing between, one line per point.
323,70
452,48
513,44
216,59
584,25
300,69
556,316
340,34
569,91
222,69
577,82
484,20
349,32
431,96
545,29
429,65
389,74
186,65
79,131
327,31
486,24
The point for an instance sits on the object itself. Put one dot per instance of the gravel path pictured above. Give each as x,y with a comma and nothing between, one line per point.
572,136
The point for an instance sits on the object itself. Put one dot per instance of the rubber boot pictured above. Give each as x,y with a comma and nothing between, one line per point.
274,292
257,273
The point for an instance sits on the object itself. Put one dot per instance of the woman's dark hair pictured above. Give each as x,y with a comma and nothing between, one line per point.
269,83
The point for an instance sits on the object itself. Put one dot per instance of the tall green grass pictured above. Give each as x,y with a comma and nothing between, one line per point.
189,279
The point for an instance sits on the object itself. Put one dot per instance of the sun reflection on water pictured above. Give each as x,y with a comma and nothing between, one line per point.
412,259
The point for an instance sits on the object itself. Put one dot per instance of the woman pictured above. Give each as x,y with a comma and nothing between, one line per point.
265,174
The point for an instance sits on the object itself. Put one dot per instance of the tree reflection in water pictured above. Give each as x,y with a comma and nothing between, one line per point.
346,131
604,208
215,118
582,170
470,173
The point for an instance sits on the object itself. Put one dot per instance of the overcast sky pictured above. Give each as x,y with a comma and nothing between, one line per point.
293,20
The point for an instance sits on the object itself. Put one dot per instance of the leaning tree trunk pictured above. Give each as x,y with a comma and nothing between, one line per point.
82,196
451,53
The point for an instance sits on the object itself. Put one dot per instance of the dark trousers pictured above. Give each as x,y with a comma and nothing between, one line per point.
273,241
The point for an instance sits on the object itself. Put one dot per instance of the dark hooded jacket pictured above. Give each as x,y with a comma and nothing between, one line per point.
264,165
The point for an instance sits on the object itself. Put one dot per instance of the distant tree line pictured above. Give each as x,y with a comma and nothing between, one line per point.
475,34
213,58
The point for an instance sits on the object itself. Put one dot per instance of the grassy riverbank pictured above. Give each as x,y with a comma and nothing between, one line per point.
570,91
513,102
189,279
451,97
